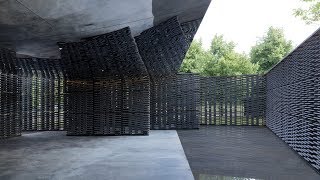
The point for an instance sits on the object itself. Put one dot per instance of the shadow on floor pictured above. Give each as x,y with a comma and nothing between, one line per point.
224,152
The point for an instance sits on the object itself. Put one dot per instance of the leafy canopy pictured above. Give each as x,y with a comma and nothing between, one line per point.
219,47
311,14
195,59
220,60
270,49
223,60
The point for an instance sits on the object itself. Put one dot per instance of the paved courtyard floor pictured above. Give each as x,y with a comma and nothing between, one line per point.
226,152
53,155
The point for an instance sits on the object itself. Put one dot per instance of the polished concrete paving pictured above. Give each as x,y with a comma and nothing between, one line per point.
52,155
225,153
214,153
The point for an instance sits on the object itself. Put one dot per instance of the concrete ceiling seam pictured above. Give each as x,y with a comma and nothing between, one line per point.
29,9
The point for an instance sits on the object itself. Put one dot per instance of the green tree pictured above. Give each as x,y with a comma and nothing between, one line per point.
195,58
226,61
220,60
220,47
270,49
232,64
311,14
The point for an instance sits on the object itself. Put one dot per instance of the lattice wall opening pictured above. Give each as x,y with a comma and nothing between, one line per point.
237,100
42,94
175,102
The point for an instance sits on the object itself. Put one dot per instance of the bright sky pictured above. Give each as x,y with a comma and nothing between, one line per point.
245,21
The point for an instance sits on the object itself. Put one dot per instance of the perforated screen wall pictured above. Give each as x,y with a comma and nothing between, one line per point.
238,100
163,48
175,102
42,94
174,98
293,100
108,86
10,95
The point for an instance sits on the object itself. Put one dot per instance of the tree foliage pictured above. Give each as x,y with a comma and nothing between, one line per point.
220,48
195,59
270,49
220,60
232,64
311,14
223,60
226,61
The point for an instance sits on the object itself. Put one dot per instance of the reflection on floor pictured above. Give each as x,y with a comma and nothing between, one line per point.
52,155
215,177
223,153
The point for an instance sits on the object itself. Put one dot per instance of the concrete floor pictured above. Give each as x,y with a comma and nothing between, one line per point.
214,153
225,153
52,155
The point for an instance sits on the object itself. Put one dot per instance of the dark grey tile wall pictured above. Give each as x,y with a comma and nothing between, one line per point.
163,48
190,29
174,98
108,87
234,100
175,102
10,95
293,100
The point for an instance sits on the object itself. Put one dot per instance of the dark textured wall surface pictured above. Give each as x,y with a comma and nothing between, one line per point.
121,85
190,29
163,48
10,95
42,88
113,97
78,88
237,100
175,102
293,100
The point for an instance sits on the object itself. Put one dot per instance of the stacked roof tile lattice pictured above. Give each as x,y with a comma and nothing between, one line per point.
293,100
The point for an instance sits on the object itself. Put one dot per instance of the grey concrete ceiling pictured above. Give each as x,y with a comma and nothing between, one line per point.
33,27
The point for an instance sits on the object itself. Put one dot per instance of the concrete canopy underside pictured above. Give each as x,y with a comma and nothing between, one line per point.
33,27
